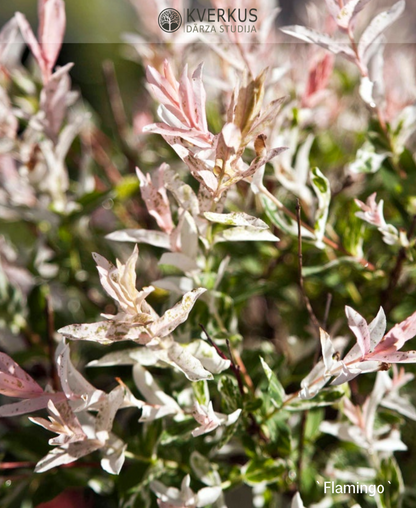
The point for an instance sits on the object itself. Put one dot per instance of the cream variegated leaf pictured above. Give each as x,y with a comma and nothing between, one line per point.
105,332
236,219
175,316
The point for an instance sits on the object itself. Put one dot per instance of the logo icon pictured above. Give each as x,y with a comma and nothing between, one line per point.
169,20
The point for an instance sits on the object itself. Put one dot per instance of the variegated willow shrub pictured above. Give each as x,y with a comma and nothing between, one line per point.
263,350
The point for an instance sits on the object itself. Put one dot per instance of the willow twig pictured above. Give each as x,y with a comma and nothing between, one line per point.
327,241
50,331
117,109
235,368
300,264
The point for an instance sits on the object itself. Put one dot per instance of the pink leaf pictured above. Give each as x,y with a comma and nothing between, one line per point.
200,97
52,22
31,41
155,197
14,381
30,405
397,336
359,327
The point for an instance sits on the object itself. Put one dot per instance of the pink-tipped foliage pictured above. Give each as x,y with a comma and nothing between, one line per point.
182,109
52,23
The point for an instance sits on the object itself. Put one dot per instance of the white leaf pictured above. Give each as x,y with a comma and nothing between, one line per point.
179,285
152,391
377,27
350,372
188,236
143,355
105,417
313,382
358,325
186,362
366,91
178,260
348,12
377,328
236,219
67,454
367,160
400,405
232,136
182,192
297,501
333,7
328,351
392,443
175,316
302,163
155,238
77,389
104,332
323,40
208,356
209,179
245,234
207,496
113,459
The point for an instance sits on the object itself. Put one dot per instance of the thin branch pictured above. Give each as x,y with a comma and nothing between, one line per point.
301,447
327,241
16,465
118,111
315,321
254,426
300,263
235,368
327,309
240,364
50,332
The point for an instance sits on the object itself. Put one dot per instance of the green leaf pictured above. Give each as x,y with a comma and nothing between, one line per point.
150,438
127,187
307,271
230,394
275,389
201,392
89,202
203,468
407,162
390,476
352,230
326,397
253,404
284,223
280,435
263,470
322,190
131,477
313,422
367,160
177,430
228,433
